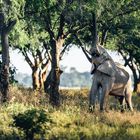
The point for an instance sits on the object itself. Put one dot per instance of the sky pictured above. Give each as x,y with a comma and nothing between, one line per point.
74,58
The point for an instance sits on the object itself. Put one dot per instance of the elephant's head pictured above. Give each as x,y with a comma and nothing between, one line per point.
102,61
94,51
98,54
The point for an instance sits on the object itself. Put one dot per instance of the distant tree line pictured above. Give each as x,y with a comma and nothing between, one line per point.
68,79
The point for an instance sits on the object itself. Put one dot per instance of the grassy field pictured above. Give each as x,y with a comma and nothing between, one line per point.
28,115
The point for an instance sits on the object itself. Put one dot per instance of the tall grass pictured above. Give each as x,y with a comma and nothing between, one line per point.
71,121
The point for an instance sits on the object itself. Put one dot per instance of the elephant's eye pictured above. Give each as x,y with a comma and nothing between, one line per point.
95,55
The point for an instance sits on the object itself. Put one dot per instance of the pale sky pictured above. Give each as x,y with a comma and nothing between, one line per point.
74,58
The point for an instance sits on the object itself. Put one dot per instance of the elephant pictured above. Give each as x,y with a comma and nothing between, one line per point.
109,78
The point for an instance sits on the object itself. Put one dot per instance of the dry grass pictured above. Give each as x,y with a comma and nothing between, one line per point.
72,119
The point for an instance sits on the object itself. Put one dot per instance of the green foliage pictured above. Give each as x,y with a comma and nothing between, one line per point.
32,121
13,9
7,129
25,34
19,36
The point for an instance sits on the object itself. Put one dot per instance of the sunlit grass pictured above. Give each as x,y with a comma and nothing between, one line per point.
72,119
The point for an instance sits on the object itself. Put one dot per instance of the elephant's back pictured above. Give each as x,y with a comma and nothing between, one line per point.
122,75
122,79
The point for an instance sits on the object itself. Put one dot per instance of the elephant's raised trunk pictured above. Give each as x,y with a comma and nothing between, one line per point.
94,30
94,48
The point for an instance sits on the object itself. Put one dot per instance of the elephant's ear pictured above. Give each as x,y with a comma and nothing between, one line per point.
107,67
92,69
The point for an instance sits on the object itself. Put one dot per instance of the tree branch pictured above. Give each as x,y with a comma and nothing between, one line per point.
104,35
127,60
84,50
61,26
2,18
48,53
47,19
119,15
27,59
76,30
63,51
39,54
10,26
46,65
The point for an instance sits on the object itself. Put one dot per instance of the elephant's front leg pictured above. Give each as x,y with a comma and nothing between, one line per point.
92,95
107,84
104,100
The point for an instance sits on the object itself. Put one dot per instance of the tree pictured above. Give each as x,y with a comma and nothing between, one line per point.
56,17
6,25
39,66
30,41
129,48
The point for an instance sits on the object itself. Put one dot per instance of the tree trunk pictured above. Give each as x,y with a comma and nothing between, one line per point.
35,78
135,76
138,85
4,77
104,36
4,72
135,81
43,76
138,88
55,72
38,77
41,82
47,83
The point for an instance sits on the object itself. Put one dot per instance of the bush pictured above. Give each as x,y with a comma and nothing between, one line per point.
32,121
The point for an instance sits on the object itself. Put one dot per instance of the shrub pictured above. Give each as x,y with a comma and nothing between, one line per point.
32,121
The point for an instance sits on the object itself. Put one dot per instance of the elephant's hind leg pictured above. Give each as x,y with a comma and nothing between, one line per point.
122,103
128,101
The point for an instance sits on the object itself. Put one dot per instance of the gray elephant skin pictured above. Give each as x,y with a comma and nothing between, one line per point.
110,78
